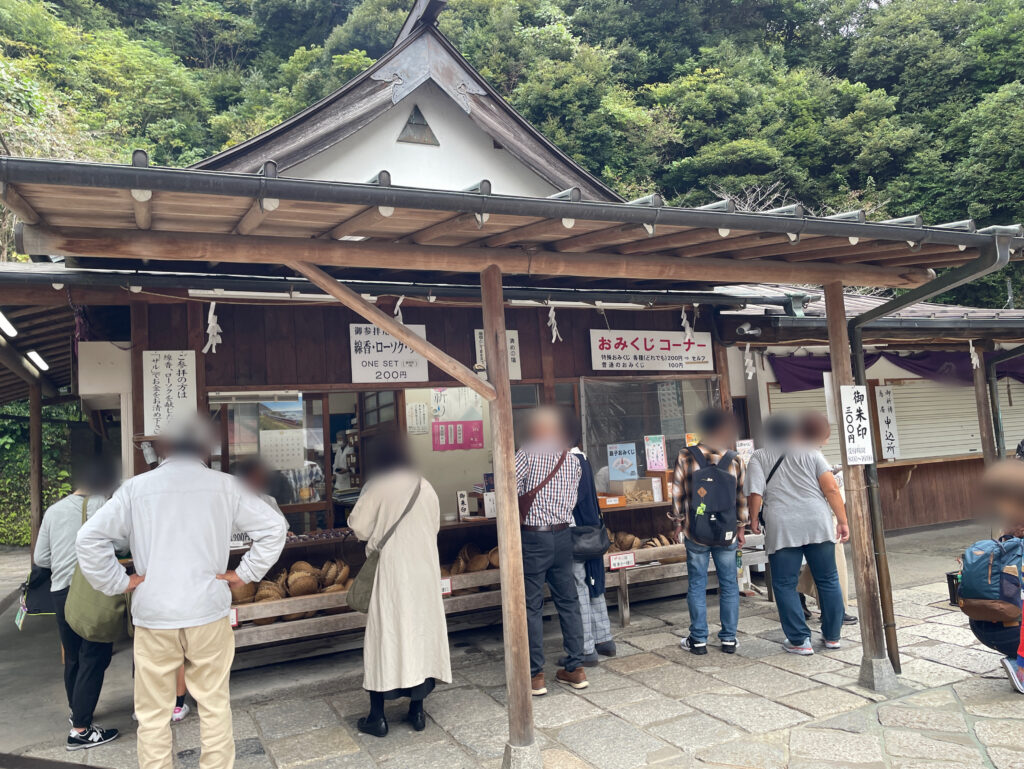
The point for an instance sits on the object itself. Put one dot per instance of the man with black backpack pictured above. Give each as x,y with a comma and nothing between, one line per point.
711,510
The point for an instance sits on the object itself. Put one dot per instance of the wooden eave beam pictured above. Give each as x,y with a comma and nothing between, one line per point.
253,218
402,333
885,251
360,223
732,245
14,201
447,227
133,244
938,259
528,233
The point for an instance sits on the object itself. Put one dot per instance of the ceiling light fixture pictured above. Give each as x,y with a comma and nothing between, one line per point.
36,358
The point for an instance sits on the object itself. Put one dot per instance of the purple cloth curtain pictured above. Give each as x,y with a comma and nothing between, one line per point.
805,373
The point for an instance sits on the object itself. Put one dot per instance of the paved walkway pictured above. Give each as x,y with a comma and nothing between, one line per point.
653,705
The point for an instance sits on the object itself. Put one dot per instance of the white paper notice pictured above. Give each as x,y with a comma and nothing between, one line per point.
856,424
515,365
379,357
168,387
417,418
888,435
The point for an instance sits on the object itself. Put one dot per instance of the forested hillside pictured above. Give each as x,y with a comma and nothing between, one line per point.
907,106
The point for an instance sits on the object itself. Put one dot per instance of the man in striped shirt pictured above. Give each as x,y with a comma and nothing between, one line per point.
550,474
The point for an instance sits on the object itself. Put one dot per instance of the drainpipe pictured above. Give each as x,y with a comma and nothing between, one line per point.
991,362
994,256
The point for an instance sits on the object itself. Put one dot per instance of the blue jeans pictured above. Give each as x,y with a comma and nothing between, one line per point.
821,558
698,558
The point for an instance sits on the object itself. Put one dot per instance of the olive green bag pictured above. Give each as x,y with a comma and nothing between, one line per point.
361,592
93,615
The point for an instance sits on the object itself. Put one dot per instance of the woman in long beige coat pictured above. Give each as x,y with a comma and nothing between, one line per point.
406,646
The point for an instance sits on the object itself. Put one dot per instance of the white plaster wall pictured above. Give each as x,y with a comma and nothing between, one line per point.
449,471
465,156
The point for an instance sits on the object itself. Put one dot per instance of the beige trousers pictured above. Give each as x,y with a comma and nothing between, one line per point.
207,652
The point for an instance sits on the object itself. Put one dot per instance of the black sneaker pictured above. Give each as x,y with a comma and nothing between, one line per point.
90,738
729,647
695,647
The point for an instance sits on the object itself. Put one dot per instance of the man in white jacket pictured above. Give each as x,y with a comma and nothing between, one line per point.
178,519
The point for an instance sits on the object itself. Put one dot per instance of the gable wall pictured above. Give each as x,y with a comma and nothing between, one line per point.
465,156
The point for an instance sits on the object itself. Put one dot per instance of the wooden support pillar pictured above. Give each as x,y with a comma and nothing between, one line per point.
35,453
140,342
985,427
721,354
522,749
876,670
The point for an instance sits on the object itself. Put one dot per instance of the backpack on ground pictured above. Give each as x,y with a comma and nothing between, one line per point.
990,580
713,516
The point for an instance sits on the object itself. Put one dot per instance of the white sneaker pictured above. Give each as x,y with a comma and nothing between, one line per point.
179,713
803,649
833,645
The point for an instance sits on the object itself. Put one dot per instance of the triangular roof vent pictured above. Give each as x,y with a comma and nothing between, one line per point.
416,130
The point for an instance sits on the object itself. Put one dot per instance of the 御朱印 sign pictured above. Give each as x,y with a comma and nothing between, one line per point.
612,350
379,357
855,423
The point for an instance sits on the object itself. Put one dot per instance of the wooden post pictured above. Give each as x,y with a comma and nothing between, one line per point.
521,750
876,670
721,354
35,454
985,429
140,341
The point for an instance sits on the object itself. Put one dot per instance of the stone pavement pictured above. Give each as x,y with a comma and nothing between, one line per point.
653,705
14,567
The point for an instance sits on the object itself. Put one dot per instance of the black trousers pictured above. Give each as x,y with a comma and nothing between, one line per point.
85,663
995,635
547,557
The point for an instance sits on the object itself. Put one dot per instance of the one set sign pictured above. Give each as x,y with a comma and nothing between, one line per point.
650,350
379,357
856,424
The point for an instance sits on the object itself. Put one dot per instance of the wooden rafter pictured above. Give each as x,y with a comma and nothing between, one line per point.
14,201
360,223
541,229
438,231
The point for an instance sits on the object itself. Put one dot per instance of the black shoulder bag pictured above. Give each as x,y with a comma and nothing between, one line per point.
775,467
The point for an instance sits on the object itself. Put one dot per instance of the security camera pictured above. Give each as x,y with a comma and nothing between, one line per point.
745,329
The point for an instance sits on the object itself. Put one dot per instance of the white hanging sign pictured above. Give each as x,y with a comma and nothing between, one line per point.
515,366
888,435
856,424
379,357
612,350
417,418
168,387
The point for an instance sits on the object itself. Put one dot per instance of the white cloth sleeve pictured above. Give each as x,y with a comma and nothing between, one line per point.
41,556
266,528
95,545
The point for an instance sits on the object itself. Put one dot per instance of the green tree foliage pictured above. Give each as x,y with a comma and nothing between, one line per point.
14,458
901,107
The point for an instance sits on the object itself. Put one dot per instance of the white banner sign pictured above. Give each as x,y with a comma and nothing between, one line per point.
379,357
168,387
515,366
888,435
856,424
650,351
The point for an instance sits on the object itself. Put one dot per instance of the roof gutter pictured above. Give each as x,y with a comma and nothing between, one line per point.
71,173
994,256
